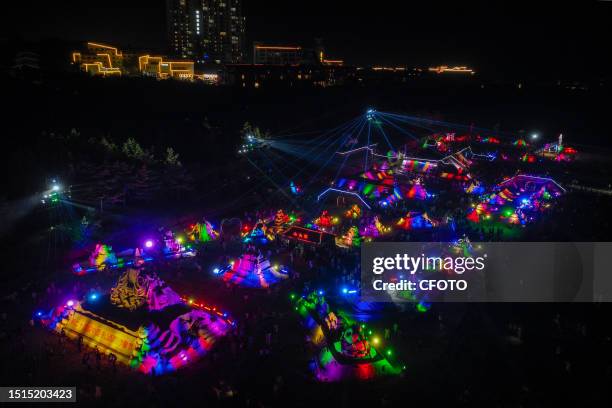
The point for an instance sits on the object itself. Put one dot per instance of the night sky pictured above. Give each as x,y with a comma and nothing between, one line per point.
491,36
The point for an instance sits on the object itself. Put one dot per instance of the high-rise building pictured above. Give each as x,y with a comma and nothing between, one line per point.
206,30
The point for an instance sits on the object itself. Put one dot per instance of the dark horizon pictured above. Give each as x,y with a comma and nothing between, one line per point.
506,37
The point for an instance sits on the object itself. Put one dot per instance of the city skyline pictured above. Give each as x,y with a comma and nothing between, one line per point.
506,38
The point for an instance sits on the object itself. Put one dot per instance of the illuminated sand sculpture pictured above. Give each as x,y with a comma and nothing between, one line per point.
143,323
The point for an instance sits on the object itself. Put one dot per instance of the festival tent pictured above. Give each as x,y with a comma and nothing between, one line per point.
415,220
474,188
473,216
351,238
520,143
202,232
353,212
325,220
374,228
254,271
417,191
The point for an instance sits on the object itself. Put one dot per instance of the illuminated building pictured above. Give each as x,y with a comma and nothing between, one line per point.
206,30
389,69
277,65
287,76
104,60
291,55
276,54
178,26
320,55
208,77
445,69
158,67
99,59
337,63
379,74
